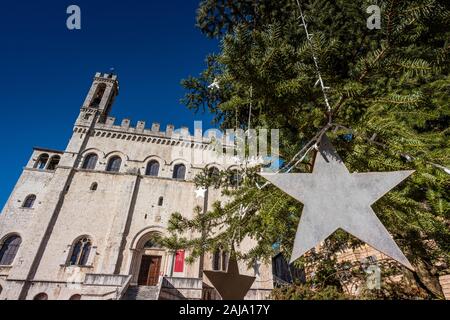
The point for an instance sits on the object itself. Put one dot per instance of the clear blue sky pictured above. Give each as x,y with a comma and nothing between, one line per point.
46,70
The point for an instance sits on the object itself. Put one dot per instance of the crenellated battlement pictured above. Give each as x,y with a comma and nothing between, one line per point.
140,131
103,76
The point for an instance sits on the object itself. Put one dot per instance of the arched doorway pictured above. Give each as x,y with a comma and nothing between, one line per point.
152,260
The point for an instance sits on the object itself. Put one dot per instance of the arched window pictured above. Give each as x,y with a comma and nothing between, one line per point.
94,186
97,99
8,250
80,252
220,260
160,201
224,260
54,161
152,244
214,176
90,161
213,172
216,260
41,162
29,201
114,164
75,297
41,296
152,168
235,178
179,172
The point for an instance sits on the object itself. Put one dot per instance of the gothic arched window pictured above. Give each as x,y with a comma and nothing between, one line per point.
90,161
80,252
160,201
152,168
114,164
41,162
8,250
54,161
225,258
216,260
220,260
29,201
179,172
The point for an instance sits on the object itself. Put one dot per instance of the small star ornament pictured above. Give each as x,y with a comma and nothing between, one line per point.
230,285
214,85
200,193
334,199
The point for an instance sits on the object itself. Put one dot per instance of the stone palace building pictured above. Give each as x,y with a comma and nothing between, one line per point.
80,223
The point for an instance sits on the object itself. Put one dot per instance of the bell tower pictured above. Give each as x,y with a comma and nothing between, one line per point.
101,96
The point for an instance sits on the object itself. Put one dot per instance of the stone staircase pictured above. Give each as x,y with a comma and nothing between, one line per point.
173,288
445,284
141,293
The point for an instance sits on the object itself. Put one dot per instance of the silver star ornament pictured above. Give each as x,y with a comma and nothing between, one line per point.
200,192
334,198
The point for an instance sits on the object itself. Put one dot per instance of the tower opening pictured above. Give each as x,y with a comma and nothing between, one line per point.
42,161
54,161
98,96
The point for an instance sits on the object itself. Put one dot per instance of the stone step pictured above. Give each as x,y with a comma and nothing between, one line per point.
141,293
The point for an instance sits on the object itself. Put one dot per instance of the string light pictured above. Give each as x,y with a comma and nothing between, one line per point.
316,63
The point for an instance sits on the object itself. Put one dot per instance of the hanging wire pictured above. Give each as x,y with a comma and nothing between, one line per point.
249,125
237,122
316,63
308,147
312,144
242,211
250,108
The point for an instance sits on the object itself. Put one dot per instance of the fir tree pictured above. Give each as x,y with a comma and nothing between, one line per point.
389,91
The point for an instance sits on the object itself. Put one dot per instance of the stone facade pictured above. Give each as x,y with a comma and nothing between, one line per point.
117,209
